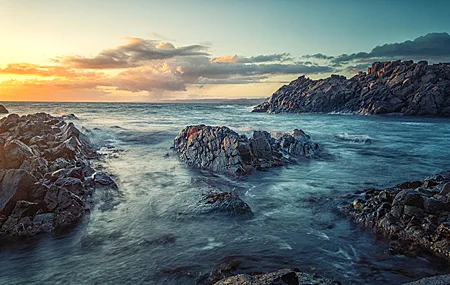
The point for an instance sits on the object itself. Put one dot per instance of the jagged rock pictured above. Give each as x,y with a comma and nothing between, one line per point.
45,176
411,215
222,150
3,110
413,89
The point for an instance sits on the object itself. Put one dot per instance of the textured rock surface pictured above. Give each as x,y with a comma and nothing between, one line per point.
3,110
222,150
281,277
45,174
435,280
412,215
413,89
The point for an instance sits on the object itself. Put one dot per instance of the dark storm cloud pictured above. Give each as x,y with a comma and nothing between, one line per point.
432,46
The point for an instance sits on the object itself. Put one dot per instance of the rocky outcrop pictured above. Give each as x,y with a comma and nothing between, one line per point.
413,215
280,277
45,175
412,89
222,150
3,110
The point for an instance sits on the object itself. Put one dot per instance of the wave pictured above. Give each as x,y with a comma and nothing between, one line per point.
364,139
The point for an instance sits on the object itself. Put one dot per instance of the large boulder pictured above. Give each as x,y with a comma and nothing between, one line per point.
222,150
413,89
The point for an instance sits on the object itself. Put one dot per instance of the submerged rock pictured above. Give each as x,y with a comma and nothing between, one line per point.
3,110
222,150
412,89
280,277
412,215
45,175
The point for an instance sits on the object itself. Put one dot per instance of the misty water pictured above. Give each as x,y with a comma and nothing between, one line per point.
151,231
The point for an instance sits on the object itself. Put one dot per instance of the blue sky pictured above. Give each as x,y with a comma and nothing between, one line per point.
38,32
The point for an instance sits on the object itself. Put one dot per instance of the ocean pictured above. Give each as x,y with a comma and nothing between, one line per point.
151,230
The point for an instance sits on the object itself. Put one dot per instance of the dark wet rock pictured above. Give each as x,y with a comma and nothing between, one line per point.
411,89
227,203
45,175
3,110
280,277
101,179
412,215
222,150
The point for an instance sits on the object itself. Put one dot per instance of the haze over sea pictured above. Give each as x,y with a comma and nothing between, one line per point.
152,230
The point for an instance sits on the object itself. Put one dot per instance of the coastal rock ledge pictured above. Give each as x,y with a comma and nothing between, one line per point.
411,89
413,215
222,150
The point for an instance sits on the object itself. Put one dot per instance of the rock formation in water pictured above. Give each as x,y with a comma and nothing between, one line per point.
45,174
411,215
412,89
222,150
3,110
280,277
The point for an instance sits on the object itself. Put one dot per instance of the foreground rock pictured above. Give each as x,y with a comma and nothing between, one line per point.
413,215
281,277
45,175
222,150
3,110
435,280
412,89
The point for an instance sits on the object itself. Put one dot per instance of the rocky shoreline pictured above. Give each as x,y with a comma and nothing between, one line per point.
399,87
222,150
413,215
45,175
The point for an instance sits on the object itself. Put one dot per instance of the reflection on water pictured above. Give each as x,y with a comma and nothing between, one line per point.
151,232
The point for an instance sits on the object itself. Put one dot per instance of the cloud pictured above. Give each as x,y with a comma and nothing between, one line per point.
193,69
318,56
428,46
135,53
160,67
44,70
432,47
280,57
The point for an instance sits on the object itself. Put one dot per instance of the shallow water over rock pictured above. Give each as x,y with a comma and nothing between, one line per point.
150,231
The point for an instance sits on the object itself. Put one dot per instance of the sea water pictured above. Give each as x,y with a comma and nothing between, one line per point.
151,232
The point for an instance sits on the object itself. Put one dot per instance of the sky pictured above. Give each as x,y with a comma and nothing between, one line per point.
135,50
